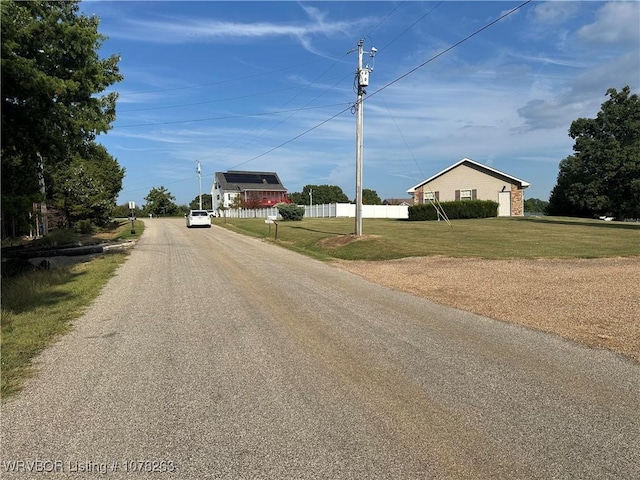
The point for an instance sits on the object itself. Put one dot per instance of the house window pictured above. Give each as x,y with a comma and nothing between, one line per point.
429,196
465,195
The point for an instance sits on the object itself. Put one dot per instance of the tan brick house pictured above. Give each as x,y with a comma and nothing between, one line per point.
470,180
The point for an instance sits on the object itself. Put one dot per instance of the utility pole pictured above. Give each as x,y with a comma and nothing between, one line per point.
362,77
310,197
199,185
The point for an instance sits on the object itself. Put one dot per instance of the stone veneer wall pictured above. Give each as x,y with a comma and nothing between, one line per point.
418,196
517,201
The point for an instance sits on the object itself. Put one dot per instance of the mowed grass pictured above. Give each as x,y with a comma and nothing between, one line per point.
39,306
492,238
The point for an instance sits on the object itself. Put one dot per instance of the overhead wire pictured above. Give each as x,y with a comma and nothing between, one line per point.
295,96
413,70
435,202
226,117
218,100
220,82
448,49
396,80
409,27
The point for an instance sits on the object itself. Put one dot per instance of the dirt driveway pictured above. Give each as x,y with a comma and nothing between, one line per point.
592,301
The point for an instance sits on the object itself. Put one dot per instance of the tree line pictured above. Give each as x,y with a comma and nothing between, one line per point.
52,112
160,201
54,107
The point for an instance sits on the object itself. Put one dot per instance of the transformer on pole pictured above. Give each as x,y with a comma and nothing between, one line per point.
362,79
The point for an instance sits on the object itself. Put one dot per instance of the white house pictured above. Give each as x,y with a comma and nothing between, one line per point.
258,189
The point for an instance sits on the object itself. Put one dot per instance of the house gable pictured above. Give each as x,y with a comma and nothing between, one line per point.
264,188
476,166
468,179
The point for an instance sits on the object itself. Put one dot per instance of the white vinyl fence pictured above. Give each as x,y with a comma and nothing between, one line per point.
330,210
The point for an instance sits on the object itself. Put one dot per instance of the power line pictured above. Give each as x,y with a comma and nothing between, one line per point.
413,70
410,26
384,19
294,138
221,82
219,100
227,117
446,50
293,98
468,37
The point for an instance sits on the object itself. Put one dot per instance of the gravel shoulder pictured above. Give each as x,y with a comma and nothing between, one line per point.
591,301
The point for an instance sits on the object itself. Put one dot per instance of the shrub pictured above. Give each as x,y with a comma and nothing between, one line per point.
460,209
84,227
290,211
57,238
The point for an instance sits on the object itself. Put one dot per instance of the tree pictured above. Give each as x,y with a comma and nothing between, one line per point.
123,211
51,78
602,177
370,197
206,202
321,194
160,202
535,205
87,187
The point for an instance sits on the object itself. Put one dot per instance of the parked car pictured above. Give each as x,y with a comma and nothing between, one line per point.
198,218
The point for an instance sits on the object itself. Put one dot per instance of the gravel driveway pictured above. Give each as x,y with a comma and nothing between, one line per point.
592,301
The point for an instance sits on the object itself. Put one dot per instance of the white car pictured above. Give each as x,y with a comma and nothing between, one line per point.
198,218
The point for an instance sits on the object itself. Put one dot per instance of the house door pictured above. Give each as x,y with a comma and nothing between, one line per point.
504,204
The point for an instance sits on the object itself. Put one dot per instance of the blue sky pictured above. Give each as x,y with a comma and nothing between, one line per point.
236,85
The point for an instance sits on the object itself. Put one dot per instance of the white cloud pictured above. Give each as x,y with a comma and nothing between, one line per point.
554,13
616,23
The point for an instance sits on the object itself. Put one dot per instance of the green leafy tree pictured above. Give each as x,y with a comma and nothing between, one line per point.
160,202
298,198
51,79
535,205
321,194
87,187
206,202
370,197
184,209
123,211
602,177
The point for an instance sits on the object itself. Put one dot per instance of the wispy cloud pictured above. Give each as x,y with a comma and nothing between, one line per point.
186,30
554,13
152,137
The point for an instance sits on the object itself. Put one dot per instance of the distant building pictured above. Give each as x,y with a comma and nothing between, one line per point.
254,189
470,180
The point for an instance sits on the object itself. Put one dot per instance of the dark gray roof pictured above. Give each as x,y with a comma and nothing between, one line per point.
243,181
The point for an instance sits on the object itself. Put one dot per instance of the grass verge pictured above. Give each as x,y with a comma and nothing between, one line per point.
491,238
39,306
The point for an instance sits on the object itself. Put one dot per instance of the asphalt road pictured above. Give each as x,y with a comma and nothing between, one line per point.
214,355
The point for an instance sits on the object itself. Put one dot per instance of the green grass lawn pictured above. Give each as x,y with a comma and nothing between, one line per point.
384,239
